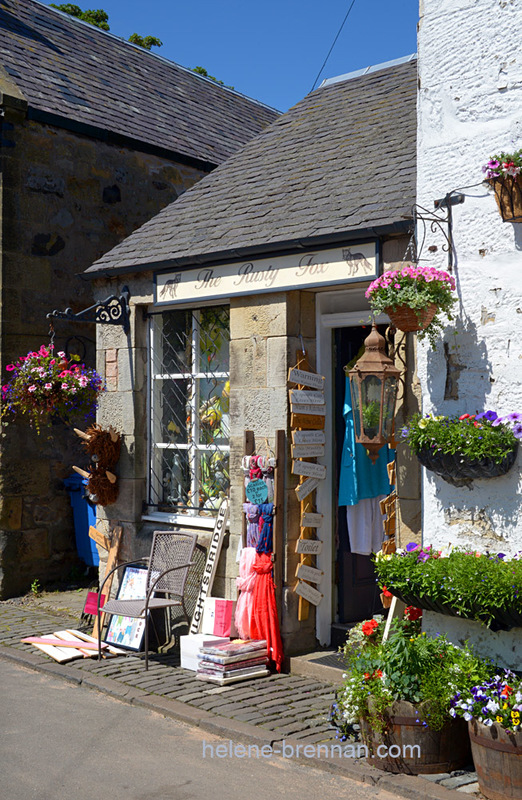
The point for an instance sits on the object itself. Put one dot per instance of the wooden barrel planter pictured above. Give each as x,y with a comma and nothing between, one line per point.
498,760
410,320
409,747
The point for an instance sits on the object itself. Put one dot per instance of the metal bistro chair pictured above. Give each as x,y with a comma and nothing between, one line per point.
168,566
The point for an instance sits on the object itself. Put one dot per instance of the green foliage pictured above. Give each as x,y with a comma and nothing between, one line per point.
203,71
371,414
409,666
36,589
97,17
466,435
474,585
145,41
417,288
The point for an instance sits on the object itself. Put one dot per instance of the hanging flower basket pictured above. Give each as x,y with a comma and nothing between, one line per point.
459,470
46,386
410,320
414,298
508,194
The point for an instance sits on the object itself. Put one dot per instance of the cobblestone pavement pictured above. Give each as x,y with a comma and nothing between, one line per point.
266,710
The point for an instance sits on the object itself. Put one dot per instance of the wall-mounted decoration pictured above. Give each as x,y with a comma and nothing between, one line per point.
103,446
502,173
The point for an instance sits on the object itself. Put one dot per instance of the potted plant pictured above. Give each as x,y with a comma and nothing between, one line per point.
414,298
400,692
45,386
459,449
503,175
493,710
484,587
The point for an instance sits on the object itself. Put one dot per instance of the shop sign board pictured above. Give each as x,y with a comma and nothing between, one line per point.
309,547
313,596
306,573
308,437
309,469
304,378
307,450
311,520
353,263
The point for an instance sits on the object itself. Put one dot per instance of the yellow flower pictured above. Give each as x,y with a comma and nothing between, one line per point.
499,719
412,640
505,706
422,423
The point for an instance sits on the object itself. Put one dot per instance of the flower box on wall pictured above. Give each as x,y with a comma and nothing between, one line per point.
458,470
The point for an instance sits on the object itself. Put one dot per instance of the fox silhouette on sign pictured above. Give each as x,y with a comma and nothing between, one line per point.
356,262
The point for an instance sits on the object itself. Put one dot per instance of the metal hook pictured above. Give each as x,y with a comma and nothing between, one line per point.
52,334
302,344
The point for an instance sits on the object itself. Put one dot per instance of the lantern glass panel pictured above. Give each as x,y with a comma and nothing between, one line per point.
388,411
356,404
371,405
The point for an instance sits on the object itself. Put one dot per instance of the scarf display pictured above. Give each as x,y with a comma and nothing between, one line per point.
266,528
245,584
252,527
264,622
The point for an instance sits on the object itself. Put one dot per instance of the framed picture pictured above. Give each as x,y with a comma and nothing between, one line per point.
128,632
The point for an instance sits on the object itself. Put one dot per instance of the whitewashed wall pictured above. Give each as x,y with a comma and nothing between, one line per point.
470,106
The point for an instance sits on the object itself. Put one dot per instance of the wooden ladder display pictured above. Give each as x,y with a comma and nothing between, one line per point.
308,442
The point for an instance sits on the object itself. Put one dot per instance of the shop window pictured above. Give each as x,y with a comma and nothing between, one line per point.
189,410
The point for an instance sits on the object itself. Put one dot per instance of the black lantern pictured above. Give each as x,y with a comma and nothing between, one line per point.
373,386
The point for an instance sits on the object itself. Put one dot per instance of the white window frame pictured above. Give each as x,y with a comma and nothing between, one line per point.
192,515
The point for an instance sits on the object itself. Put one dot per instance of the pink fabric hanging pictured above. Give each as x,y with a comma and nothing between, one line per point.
245,584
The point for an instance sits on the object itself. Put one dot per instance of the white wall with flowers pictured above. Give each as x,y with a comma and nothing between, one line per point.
469,108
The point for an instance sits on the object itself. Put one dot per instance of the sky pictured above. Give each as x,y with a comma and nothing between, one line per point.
270,50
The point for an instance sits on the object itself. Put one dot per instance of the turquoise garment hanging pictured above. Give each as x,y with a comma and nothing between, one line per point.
359,478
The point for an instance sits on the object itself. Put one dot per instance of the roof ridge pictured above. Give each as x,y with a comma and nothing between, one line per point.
90,26
348,76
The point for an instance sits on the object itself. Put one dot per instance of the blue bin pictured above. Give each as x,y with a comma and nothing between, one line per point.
84,514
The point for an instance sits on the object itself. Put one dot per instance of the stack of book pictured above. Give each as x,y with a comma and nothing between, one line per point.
238,660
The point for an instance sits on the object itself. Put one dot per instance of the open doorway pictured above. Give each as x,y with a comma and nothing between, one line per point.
357,591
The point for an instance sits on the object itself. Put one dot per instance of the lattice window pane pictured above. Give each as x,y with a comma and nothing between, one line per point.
189,422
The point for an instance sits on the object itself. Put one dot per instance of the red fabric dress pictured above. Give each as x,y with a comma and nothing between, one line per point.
264,623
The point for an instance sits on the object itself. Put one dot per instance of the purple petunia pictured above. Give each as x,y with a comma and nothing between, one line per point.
411,547
517,430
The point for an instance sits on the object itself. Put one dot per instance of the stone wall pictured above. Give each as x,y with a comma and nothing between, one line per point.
469,104
66,199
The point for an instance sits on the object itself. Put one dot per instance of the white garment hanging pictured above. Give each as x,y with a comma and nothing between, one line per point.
365,525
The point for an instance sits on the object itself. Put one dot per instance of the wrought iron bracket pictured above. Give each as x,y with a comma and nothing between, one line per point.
440,220
112,311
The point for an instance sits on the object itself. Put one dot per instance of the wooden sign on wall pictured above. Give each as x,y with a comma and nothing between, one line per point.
306,378
311,520
307,573
308,437
310,547
307,450
309,469
308,593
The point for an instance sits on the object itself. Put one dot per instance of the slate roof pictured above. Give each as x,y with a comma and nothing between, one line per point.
69,68
339,163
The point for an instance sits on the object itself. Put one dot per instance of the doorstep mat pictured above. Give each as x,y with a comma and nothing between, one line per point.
329,660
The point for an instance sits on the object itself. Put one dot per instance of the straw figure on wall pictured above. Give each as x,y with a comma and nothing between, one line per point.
104,447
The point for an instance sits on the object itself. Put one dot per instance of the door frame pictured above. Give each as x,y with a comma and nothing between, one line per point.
328,318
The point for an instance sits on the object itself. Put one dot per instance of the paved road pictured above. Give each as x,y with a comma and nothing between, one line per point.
61,742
